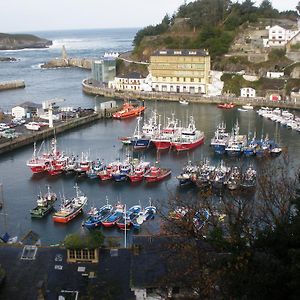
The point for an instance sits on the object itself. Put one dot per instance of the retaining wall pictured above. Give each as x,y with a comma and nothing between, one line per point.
15,84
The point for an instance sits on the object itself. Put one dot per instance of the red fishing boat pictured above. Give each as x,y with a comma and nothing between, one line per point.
226,105
138,172
155,174
188,138
106,173
128,111
112,219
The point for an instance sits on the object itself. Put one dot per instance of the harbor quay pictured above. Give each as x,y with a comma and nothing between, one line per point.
14,84
27,139
89,87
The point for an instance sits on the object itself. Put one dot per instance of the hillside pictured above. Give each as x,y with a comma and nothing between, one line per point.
216,25
22,41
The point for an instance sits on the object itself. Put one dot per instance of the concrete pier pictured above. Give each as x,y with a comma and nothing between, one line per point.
15,84
25,140
91,89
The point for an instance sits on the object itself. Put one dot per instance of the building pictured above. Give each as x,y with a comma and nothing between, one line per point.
104,70
131,82
279,36
27,110
274,74
248,92
180,71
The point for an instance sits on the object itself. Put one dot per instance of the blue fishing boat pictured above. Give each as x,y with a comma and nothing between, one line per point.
131,214
113,218
97,216
220,139
147,214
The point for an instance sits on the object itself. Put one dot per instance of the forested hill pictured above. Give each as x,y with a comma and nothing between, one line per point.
210,24
22,41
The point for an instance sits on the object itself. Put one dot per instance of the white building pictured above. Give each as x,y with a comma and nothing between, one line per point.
279,36
248,92
27,110
131,82
275,74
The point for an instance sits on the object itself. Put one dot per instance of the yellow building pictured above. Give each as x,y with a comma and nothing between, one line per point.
180,71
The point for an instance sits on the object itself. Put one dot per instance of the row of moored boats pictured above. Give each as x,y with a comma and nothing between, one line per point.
206,175
233,143
106,216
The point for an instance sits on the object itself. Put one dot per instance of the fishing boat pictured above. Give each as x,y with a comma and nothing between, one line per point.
70,208
205,173
106,173
128,216
97,216
113,218
120,174
146,214
220,139
249,178
220,175
162,140
138,171
155,174
44,204
188,138
234,180
236,142
128,111
226,105
242,109
185,177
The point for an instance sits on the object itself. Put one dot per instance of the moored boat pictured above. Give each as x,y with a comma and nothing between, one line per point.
226,105
146,214
44,204
96,218
155,174
128,111
112,219
128,216
70,208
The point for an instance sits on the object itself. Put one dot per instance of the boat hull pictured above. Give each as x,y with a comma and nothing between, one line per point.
187,146
156,178
162,145
65,219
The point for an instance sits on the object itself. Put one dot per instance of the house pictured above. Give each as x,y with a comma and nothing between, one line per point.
274,74
248,92
130,82
27,110
279,36
180,71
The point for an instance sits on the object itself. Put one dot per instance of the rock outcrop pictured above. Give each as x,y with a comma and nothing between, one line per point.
22,41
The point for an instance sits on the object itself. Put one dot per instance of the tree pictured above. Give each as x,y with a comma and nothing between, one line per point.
250,243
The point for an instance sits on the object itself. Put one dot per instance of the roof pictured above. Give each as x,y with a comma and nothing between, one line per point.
181,52
132,75
29,104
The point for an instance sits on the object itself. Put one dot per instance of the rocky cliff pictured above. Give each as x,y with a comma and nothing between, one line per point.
22,41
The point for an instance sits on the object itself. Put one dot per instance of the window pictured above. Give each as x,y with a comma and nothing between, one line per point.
78,254
178,79
72,254
192,79
92,253
85,254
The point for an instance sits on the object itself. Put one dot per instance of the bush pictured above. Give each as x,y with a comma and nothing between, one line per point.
92,240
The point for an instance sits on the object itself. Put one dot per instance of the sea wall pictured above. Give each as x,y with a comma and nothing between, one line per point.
25,140
15,84
89,88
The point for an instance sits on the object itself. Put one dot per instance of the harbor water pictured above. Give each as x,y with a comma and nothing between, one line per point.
100,140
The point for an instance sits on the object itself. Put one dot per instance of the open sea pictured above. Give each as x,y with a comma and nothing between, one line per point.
101,139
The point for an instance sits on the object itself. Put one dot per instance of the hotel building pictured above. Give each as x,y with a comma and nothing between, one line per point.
180,71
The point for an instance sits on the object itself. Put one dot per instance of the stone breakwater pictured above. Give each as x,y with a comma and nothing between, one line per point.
89,87
15,84
83,63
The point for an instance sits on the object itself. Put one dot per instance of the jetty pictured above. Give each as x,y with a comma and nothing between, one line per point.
90,88
14,84
80,121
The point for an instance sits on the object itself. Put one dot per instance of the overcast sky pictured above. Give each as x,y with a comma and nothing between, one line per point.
37,15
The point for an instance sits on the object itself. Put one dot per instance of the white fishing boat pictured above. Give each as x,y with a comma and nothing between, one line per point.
183,102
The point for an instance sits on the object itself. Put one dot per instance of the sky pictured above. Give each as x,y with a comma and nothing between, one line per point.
38,15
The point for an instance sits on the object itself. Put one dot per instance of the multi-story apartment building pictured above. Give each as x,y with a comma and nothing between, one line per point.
180,71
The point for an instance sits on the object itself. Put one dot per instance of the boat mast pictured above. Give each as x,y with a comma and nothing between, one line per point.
125,234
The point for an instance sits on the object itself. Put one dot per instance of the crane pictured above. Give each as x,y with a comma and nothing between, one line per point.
49,105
